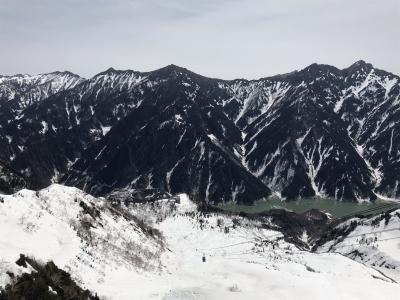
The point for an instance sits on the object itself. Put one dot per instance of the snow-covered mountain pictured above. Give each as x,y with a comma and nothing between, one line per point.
20,91
372,240
155,250
318,131
87,237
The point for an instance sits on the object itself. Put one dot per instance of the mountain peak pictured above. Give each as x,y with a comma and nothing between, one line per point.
172,71
65,73
172,68
359,65
315,68
112,71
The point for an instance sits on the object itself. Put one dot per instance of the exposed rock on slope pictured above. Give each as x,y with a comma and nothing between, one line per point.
10,181
42,281
318,131
82,235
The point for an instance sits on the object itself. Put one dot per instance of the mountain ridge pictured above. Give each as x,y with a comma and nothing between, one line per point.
178,67
251,127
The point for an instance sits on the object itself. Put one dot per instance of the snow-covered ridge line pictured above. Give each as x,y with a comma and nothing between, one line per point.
28,89
57,78
235,83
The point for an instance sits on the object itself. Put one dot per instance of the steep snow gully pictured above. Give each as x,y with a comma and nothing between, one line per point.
319,131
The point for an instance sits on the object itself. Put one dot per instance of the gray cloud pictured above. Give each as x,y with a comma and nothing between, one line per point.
219,38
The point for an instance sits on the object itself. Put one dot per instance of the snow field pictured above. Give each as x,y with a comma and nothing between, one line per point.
110,251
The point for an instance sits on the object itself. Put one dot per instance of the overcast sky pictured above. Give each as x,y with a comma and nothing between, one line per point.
219,38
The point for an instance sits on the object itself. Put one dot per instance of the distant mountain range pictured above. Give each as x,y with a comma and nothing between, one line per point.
320,131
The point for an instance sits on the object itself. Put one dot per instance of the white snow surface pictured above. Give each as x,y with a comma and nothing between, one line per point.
120,258
95,248
105,129
375,242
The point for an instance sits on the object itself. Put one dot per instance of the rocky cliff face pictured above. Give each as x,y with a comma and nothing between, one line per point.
10,181
318,131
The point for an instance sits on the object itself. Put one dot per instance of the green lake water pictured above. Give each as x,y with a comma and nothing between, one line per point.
335,208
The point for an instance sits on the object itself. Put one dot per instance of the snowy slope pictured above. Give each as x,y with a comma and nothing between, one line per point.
374,241
81,234
117,256
27,89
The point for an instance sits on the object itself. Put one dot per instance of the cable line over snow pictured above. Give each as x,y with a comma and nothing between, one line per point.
227,246
371,210
241,243
358,244
374,232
